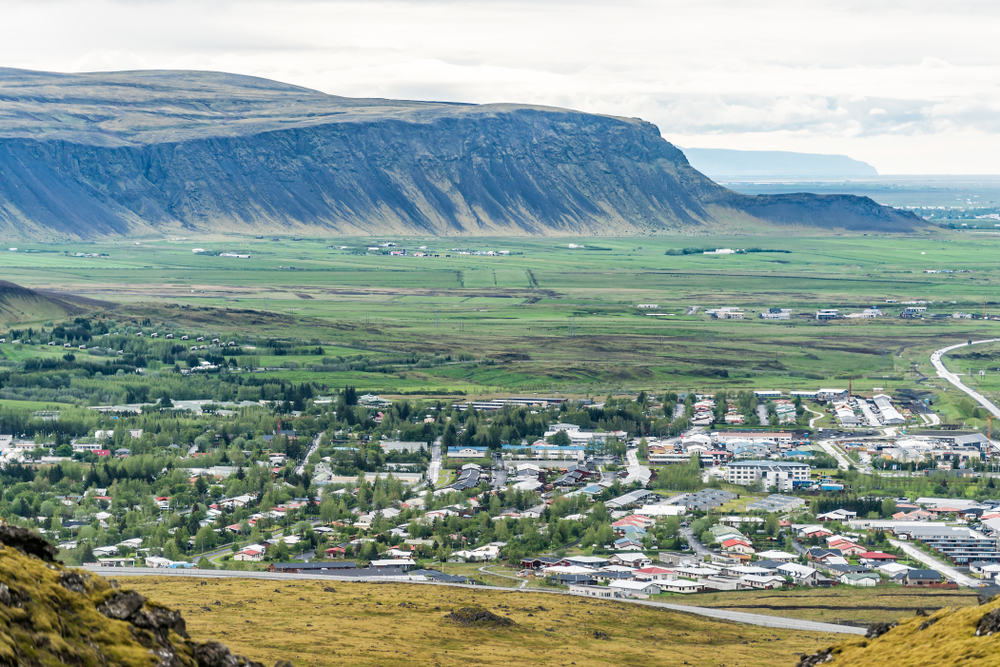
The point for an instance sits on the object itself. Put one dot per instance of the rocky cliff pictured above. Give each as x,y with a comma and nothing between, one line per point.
129,153
51,616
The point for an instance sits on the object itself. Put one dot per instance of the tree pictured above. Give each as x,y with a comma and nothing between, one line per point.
888,507
205,564
771,524
560,439
205,539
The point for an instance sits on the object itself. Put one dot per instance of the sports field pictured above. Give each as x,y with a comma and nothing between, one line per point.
545,317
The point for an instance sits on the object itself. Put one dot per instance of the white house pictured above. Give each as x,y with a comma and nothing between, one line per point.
635,560
635,589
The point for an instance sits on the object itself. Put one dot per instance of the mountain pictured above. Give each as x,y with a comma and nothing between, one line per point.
725,164
155,152
57,616
969,636
20,304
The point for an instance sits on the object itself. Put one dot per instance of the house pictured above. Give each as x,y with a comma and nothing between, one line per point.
921,578
868,579
737,546
654,573
404,564
782,556
680,586
875,558
762,581
635,560
604,592
847,548
254,553
800,574
837,515
806,532
314,567
819,554
635,589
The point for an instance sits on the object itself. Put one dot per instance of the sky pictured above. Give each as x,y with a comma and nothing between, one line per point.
910,87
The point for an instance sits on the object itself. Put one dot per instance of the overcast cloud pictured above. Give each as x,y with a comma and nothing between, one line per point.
910,87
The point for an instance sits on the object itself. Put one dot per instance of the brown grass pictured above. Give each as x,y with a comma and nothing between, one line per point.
404,625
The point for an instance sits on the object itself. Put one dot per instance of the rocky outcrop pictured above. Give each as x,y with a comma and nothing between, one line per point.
91,155
965,636
50,615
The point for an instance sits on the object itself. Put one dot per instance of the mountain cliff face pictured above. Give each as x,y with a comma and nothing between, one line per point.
130,153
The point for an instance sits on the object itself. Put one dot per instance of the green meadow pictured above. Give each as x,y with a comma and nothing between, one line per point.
550,318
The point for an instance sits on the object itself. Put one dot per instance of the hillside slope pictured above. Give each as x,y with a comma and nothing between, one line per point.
52,616
969,636
127,153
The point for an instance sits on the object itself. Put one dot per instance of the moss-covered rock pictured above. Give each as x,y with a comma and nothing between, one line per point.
53,616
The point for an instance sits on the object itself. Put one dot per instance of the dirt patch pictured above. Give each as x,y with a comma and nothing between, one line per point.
478,617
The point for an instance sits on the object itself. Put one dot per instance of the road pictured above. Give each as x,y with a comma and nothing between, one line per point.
720,614
812,422
694,542
299,469
762,416
936,564
434,467
842,461
937,360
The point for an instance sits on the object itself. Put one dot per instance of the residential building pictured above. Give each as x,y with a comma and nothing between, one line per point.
781,474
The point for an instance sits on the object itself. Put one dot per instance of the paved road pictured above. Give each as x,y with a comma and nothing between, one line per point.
936,564
937,360
299,469
762,414
434,467
694,542
842,461
720,614
812,422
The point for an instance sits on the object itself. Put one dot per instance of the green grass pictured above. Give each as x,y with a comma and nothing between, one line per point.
551,319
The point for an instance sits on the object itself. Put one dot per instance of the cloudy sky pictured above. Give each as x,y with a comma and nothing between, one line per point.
908,86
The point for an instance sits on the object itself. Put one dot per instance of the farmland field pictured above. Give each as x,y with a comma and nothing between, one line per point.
549,318
399,624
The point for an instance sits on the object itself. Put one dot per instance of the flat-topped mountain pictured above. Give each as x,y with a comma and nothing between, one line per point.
130,153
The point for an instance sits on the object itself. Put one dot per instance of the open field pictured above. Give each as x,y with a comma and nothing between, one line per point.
547,318
392,624
844,604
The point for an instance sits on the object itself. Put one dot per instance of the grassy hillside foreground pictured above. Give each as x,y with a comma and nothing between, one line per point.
392,624
968,637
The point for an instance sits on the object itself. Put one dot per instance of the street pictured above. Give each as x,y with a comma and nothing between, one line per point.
937,360
936,564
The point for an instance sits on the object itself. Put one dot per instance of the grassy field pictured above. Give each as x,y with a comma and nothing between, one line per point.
546,318
843,604
393,624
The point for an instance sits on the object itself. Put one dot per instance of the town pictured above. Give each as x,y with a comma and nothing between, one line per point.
636,496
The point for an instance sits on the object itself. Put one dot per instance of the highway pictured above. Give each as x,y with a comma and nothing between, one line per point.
719,614
937,360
